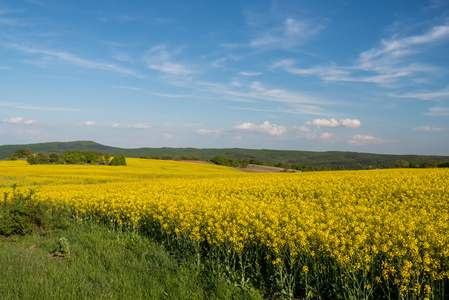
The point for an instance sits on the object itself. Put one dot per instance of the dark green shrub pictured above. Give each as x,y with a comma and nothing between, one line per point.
118,160
22,215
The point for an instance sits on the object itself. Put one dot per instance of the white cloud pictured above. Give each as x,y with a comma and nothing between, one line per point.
159,58
135,126
443,94
359,139
141,126
427,129
265,127
334,123
384,64
167,135
218,63
87,123
215,133
19,120
326,136
351,123
297,103
324,123
250,73
291,33
438,112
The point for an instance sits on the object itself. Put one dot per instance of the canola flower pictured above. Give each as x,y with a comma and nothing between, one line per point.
362,233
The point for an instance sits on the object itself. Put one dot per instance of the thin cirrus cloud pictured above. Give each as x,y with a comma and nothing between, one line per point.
428,129
73,59
289,34
437,112
383,64
27,107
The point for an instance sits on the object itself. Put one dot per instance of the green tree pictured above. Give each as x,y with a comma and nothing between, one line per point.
402,164
118,160
414,164
106,158
20,153
73,157
429,164
42,158
32,160
54,158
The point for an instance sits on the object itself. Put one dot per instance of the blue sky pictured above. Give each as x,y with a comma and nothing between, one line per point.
364,76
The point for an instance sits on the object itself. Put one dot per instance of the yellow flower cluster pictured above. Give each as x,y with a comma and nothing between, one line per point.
379,225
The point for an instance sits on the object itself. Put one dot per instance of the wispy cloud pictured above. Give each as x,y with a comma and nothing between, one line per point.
359,139
383,64
135,126
74,60
19,121
161,59
175,96
298,103
289,34
443,94
438,112
20,106
428,129
87,123
250,73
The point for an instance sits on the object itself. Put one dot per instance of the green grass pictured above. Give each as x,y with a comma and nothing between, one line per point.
45,255
103,264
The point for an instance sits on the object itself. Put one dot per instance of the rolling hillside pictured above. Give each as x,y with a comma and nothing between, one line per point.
330,159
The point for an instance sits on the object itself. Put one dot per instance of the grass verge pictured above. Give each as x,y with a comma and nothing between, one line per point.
92,261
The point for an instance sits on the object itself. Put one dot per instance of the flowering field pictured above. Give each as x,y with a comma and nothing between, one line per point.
341,235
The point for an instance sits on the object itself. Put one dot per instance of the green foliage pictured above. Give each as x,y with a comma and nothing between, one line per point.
414,165
118,160
64,248
443,165
230,162
332,160
429,164
21,215
73,157
105,264
402,164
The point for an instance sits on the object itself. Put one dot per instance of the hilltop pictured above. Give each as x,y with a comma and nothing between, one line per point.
329,159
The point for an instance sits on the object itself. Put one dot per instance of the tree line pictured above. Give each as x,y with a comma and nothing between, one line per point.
72,157
243,163
402,163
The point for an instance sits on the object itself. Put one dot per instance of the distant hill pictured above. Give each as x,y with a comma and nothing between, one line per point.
330,159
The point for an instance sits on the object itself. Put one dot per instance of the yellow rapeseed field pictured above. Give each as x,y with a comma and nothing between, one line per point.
360,234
